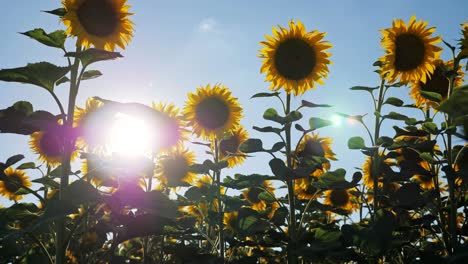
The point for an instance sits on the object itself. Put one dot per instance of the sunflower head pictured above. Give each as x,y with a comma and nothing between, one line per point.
464,40
103,24
95,170
203,183
304,189
295,59
410,51
367,170
230,221
315,146
251,195
50,144
340,199
14,180
437,82
174,168
229,145
172,127
212,111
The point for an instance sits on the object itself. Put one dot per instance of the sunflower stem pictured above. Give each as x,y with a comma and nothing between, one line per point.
290,183
67,149
218,195
374,169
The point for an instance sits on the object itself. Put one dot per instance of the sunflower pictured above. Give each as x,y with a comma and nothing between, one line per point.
100,23
464,40
295,59
314,145
212,111
230,145
230,221
436,82
98,173
303,189
426,181
174,168
251,195
171,127
14,180
203,183
340,199
410,51
92,122
367,179
49,144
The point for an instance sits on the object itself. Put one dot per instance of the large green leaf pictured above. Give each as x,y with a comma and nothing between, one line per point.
58,12
457,104
54,39
93,55
356,143
316,123
21,119
272,114
252,145
42,74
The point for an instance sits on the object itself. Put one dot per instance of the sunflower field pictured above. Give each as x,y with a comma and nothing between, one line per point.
92,197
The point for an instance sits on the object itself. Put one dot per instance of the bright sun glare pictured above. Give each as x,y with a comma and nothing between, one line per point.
130,136
336,120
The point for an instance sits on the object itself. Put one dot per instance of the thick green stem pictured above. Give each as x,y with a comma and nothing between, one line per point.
67,150
220,208
374,169
290,183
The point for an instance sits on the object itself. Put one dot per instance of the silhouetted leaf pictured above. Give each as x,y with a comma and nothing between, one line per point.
27,165
364,88
13,160
310,104
269,129
272,115
91,74
277,146
251,145
396,116
393,101
267,197
58,12
54,39
457,104
356,143
292,117
257,95
280,170
315,123
193,193
93,55
431,96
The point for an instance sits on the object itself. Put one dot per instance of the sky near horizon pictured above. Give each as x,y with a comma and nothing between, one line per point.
181,45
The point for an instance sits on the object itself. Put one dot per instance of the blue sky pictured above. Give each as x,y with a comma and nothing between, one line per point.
180,45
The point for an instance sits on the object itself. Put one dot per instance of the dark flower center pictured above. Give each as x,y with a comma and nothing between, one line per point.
51,144
229,145
98,17
175,170
313,148
13,183
339,198
295,59
212,113
252,195
409,52
437,84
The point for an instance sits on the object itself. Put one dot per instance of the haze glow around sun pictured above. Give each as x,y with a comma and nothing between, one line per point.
130,136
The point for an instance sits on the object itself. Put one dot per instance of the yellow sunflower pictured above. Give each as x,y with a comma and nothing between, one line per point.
92,122
340,199
13,181
230,221
410,51
295,59
436,82
49,144
464,40
172,128
103,24
314,145
99,175
303,189
425,181
230,145
367,169
174,168
212,111
251,195
203,183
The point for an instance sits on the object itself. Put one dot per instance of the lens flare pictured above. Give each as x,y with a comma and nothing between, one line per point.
130,136
336,120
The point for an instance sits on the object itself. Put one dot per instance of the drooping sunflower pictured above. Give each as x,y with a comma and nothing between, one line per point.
203,183
49,144
14,180
295,59
230,145
314,145
172,127
174,168
251,195
92,122
436,82
367,169
230,221
212,111
410,51
303,189
103,24
340,199
464,40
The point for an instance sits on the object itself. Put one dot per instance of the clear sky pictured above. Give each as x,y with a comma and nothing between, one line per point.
180,45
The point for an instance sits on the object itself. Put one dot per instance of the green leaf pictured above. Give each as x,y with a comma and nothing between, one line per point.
457,104
27,165
251,145
93,55
432,96
280,216
430,127
13,160
272,114
269,129
427,157
385,141
356,143
279,169
310,104
246,220
364,88
316,123
80,192
54,39
64,79
267,197
91,74
293,116
396,116
193,194
58,12
334,180
46,181
257,95
393,101
327,235
277,146
42,74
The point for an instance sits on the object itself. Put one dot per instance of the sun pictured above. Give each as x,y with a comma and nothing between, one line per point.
131,136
